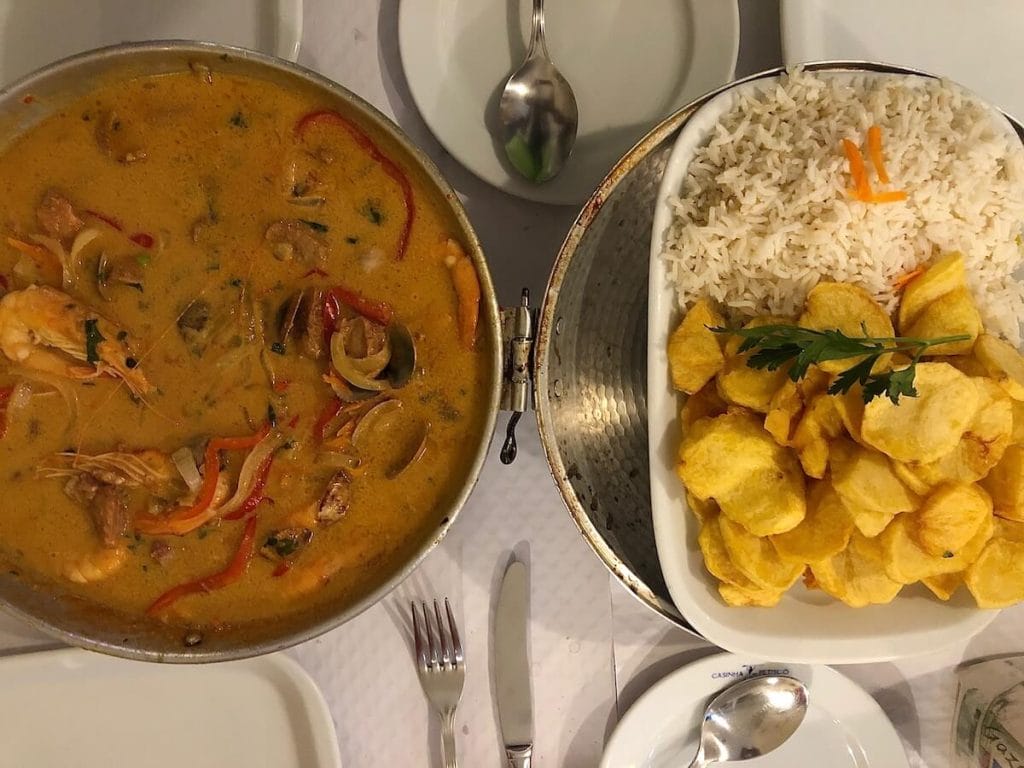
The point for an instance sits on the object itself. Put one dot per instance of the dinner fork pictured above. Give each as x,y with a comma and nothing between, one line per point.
442,670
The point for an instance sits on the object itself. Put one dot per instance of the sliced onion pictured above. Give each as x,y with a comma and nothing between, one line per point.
54,247
66,389
378,417
417,448
186,465
351,370
250,472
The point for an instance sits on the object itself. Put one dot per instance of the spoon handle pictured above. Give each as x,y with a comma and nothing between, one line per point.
537,31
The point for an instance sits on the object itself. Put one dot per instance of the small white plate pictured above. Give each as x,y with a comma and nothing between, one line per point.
38,32
630,65
977,44
844,726
72,707
806,626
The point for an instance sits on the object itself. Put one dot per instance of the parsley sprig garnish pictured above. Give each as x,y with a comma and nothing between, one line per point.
776,345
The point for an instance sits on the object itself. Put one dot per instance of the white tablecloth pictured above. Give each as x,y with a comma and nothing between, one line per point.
595,649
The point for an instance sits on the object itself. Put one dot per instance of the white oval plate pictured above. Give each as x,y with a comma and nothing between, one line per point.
844,726
806,626
73,707
630,65
41,31
977,44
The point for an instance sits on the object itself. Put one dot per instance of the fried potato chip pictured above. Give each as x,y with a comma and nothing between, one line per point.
1017,434
944,276
1009,529
742,385
1005,484
968,365
783,409
848,308
756,558
738,596
926,427
850,407
868,487
952,314
704,510
982,444
755,481
950,517
716,557
944,585
1003,363
906,562
824,532
996,578
694,352
819,424
857,574
703,404
908,475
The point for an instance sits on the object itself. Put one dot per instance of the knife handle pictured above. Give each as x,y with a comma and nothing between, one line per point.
519,755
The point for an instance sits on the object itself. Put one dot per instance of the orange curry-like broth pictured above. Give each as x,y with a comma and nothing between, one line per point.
240,369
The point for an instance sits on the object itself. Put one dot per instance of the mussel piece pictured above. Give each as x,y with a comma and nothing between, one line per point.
287,319
121,271
416,448
286,544
193,323
402,363
337,499
293,239
373,357
379,418
301,319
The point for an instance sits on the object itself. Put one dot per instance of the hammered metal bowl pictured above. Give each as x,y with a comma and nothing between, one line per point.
591,357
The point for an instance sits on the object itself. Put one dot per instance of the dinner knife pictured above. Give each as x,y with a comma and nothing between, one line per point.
512,666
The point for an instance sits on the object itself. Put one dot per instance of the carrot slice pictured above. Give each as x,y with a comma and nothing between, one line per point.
875,152
861,187
232,573
903,280
893,196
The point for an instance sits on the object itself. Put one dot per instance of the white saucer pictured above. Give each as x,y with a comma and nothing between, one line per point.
40,31
844,725
78,708
630,64
977,44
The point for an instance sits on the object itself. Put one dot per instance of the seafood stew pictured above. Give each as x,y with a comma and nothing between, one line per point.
241,373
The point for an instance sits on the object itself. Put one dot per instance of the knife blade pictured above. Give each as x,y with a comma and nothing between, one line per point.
512,666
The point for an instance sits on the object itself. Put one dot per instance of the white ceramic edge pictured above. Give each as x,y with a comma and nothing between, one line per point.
673,526
289,29
410,26
320,720
879,734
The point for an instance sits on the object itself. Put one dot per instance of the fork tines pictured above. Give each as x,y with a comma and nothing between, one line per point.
437,645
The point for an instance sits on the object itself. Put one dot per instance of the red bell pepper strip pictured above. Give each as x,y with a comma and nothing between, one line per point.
325,417
372,309
5,396
315,272
208,490
255,496
282,568
294,422
109,220
234,571
143,238
330,117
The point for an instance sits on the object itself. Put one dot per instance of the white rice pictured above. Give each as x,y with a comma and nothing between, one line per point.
764,213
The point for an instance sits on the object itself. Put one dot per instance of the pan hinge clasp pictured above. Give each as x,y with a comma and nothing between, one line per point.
517,325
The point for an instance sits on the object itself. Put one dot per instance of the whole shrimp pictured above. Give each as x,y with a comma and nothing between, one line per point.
40,323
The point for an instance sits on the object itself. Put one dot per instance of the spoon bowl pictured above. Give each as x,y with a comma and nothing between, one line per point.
538,111
751,718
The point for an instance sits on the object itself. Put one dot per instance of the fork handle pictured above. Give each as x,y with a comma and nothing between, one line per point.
519,755
448,740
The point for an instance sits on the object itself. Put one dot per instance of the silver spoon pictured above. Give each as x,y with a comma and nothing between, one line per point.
750,719
538,111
